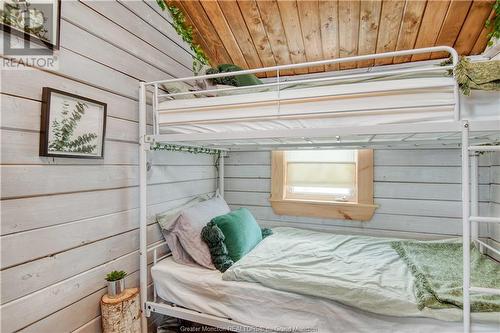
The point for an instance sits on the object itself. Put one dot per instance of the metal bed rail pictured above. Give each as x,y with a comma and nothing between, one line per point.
453,53
471,219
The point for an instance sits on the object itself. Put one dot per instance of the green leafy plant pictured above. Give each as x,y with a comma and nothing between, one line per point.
186,149
14,14
495,23
64,129
115,276
185,31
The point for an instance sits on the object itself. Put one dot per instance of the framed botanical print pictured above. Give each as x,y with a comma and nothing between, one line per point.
36,21
71,125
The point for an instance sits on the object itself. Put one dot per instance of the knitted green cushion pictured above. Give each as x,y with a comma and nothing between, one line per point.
235,80
213,236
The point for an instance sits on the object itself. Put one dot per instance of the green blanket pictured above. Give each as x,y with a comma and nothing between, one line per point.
478,75
437,269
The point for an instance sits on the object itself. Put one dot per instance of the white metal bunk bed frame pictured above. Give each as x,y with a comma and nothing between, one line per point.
470,211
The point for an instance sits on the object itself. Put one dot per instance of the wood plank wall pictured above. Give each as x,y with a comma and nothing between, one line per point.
65,223
418,191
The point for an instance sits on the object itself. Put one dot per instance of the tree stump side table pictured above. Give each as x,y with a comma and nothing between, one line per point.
121,314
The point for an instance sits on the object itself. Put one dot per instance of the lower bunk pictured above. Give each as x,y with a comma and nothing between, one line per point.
299,280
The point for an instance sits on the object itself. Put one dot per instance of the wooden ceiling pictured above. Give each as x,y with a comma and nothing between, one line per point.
261,33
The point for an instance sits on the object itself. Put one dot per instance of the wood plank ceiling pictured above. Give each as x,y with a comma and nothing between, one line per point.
261,33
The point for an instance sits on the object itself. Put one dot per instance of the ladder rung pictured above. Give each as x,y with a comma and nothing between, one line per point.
489,247
485,219
484,148
492,291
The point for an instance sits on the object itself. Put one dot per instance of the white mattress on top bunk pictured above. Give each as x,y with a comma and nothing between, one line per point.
203,290
401,100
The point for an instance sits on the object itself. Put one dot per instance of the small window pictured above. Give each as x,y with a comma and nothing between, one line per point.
323,183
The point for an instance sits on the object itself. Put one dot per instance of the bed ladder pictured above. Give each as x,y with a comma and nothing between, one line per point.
471,218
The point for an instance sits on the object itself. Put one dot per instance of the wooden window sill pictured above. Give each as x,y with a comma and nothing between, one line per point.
325,209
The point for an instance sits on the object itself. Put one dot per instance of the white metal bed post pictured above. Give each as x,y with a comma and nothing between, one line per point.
143,148
466,225
474,195
221,173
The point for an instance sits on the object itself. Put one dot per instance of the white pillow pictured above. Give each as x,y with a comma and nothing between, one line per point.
167,220
190,223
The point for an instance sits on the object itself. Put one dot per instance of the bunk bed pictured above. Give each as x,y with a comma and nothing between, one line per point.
415,106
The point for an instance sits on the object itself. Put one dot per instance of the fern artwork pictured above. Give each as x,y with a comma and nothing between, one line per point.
72,126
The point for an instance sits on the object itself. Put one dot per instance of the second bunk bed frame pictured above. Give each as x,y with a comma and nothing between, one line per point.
469,161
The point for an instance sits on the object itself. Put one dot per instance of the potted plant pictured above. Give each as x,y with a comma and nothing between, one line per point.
116,282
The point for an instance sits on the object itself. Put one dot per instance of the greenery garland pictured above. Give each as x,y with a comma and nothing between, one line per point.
495,33
185,31
186,149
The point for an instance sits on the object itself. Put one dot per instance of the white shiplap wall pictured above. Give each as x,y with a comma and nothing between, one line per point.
65,223
418,191
495,194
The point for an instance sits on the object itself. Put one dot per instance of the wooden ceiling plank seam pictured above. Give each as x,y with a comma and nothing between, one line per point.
412,20
472,27
357,37
348,39
453,21
258,34
369,20
240,32
388,32
206,30
311,32
433,20
271,19
329,22
399,31
482,40
291,24
218,21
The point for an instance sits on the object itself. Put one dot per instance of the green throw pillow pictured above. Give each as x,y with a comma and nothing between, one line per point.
241,232
229,237
235,80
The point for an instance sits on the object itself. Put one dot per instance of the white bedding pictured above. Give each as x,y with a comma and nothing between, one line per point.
416,99
407,99
252,304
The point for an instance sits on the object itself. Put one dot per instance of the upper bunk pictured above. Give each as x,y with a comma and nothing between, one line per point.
417,104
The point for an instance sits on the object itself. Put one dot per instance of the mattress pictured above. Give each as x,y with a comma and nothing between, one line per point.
252,304
401,100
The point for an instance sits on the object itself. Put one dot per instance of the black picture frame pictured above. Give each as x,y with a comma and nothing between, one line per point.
32,38
45,125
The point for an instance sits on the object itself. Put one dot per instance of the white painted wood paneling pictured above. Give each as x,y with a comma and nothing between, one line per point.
120,31
418,191
494,229
66,222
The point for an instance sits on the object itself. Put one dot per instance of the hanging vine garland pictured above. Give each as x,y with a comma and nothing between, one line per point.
495,33
186,149
184,31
